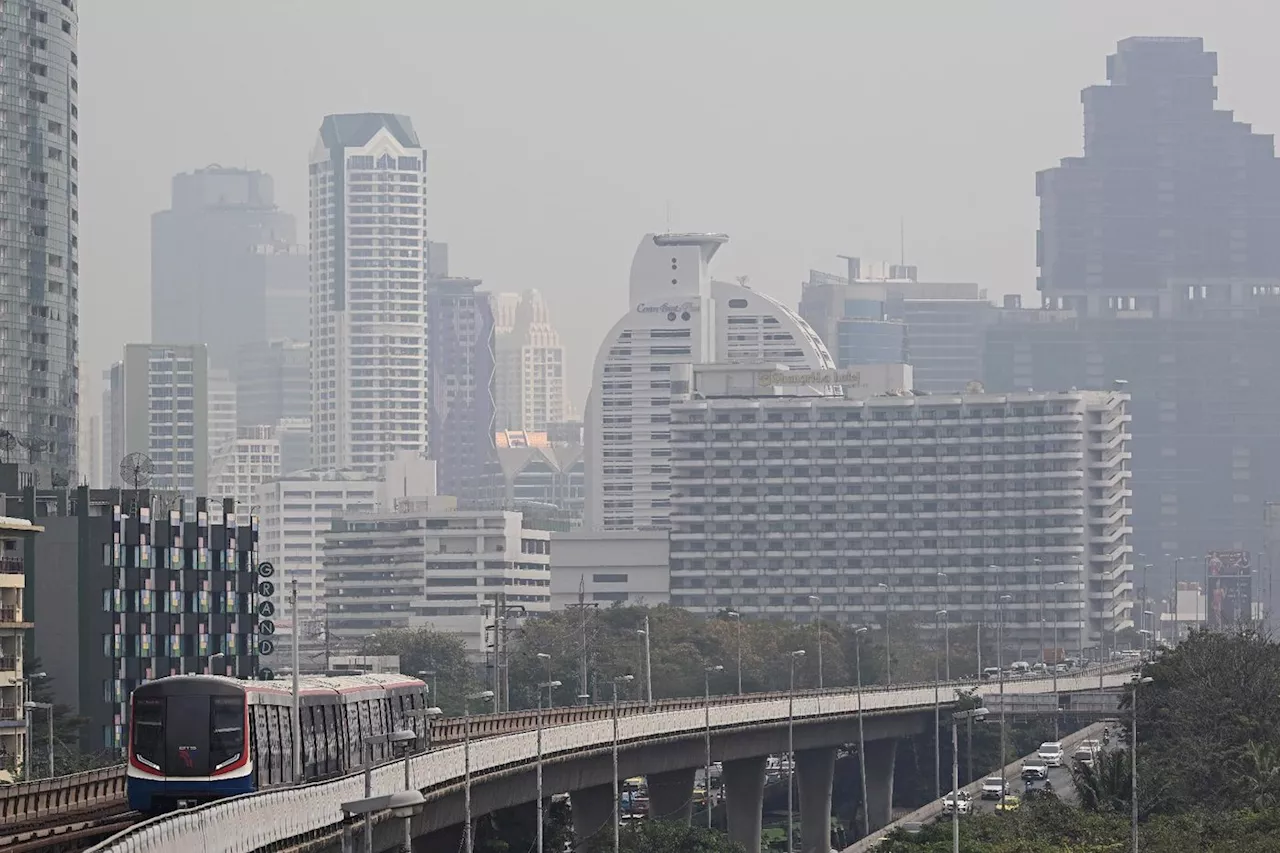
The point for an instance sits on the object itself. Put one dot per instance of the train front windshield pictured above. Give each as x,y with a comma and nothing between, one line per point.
188,735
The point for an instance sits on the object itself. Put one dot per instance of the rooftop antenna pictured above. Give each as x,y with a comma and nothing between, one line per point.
902,241
668,216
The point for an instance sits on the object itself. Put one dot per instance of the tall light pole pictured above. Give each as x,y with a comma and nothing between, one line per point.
706,719
296,722
617,801
547,685
888,649
946,622
1177,628
862,743
468,830
817,613
1133,764
970,715
1056,599
28,758
29,739
217,656
648,667
791,751
1004,748
737,617
1040,567
937,716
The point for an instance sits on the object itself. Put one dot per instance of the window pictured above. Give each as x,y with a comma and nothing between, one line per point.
148,732
226,736
608,578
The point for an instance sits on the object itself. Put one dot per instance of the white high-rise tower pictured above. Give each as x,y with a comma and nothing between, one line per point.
529,386
677,315
368,291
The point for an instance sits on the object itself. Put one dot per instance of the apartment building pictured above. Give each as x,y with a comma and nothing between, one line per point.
14,622
899,503
427,563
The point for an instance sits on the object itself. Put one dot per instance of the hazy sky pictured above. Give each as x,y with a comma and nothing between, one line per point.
559,132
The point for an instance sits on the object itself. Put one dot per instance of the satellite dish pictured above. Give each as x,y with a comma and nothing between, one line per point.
136,469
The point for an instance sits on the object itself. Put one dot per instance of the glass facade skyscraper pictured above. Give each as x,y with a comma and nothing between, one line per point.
39,236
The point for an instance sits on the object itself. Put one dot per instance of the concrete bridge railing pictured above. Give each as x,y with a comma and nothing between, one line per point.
255,821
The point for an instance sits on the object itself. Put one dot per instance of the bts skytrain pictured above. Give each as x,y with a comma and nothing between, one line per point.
195,738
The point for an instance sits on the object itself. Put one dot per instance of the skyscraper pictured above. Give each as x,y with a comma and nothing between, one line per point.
225,270
529,384
274,382
368,291
39,237
677,315
1168,187
460,360
157,403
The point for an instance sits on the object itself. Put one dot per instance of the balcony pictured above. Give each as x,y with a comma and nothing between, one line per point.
10,617
11,566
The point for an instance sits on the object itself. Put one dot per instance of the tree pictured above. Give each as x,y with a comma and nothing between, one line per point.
436,657
652,836
67,727
1106,785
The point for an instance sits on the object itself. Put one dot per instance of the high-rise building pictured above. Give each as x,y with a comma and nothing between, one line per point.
14,624
273,382
530,383
296,512
222,412
39,237
460,383
936,327
1168,188
225,267
368,291
158,405
677,315
475,559
898,503
249,460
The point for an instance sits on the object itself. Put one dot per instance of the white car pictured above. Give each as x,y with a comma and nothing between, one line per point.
993,788
1051,754
1035,770
1084,755
963,803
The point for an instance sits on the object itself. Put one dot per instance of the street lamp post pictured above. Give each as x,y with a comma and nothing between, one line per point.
1040,568
1056,599
648,667
888,649
27,705
617,802
969,715
937,716
402,804
737,617
47,707
862,743
393,739
706,719
791,751
547,685
1004,749
468,830
1133,763
946,623
217,656
817,605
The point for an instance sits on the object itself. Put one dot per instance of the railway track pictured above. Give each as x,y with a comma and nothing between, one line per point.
56,834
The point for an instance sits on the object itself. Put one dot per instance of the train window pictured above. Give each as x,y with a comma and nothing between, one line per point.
226,738
148,732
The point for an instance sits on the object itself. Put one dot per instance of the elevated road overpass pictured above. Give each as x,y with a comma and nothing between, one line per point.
666,743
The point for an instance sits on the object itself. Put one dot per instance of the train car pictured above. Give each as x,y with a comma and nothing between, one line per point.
196,738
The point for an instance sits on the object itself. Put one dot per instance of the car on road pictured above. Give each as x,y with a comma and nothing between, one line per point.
1009,803
1035,770
962,803
991,673
1084,755
993,788
1051,753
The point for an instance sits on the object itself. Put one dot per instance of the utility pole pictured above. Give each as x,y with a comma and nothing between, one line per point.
584,648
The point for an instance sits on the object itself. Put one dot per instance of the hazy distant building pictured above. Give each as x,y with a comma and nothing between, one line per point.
1168,187
273,382
677,315
368,291
530,382
225,267
531,468
866,501
460,363
936,327
249,460
39,237
158,405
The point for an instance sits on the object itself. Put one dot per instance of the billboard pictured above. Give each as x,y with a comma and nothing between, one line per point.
1228,588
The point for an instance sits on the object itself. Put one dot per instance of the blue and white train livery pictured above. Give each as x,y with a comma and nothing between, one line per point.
195,738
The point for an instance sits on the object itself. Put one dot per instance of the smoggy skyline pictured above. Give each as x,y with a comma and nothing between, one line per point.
558,136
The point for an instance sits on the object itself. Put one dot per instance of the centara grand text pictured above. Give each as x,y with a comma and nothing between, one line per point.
773,378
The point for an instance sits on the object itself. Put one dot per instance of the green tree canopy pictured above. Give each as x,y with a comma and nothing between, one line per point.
436,657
